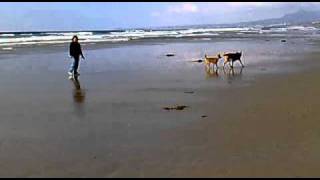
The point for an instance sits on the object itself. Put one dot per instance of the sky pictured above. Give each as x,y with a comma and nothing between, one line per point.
76,16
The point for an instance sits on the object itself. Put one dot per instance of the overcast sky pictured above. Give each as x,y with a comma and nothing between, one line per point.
27,16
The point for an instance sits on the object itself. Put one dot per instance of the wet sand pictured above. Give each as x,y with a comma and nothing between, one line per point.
260,121
267,130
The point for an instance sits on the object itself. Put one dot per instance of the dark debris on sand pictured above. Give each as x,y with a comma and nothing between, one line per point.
179,108
198,61
170,55
189,92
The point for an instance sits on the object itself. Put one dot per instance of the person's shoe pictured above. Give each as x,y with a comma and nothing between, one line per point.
70,73
77,74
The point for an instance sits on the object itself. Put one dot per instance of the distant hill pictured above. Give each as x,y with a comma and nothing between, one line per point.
301,17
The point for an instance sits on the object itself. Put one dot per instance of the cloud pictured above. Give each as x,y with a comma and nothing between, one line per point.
183,8
256,4
175,13
185,13
155,14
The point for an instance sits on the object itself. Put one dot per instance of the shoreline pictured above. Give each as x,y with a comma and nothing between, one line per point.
195,38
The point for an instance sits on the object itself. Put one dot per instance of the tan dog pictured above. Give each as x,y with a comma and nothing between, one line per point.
212,60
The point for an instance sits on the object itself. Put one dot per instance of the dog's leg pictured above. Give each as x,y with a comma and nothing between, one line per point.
225,63
229,62
230,72
241,63
208,66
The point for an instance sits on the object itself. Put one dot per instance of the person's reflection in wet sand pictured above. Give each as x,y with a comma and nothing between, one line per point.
78,95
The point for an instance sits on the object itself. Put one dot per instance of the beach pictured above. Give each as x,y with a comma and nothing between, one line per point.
256,121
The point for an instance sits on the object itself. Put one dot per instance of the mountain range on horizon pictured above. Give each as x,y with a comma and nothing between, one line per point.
300,17
295,18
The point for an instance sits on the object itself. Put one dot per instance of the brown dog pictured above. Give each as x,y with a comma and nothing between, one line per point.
212,60
232,57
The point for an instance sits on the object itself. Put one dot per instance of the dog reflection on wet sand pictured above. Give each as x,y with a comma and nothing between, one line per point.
233,73
211,72
230,74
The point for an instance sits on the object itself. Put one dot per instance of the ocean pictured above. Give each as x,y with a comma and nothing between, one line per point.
11,39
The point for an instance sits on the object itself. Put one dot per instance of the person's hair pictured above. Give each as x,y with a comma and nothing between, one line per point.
75,37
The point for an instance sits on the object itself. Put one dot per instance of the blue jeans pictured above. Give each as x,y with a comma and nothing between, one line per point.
75,65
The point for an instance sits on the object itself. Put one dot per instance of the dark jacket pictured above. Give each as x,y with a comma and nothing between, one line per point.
75,49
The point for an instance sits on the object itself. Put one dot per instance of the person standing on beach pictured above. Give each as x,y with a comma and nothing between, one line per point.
75,52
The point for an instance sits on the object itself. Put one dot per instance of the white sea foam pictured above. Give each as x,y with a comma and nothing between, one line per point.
206,39
70,33
7,35
8,39
26,34
7,49
301,28
37,41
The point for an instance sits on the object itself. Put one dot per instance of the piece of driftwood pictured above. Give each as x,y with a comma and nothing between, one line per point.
170,54
199,60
